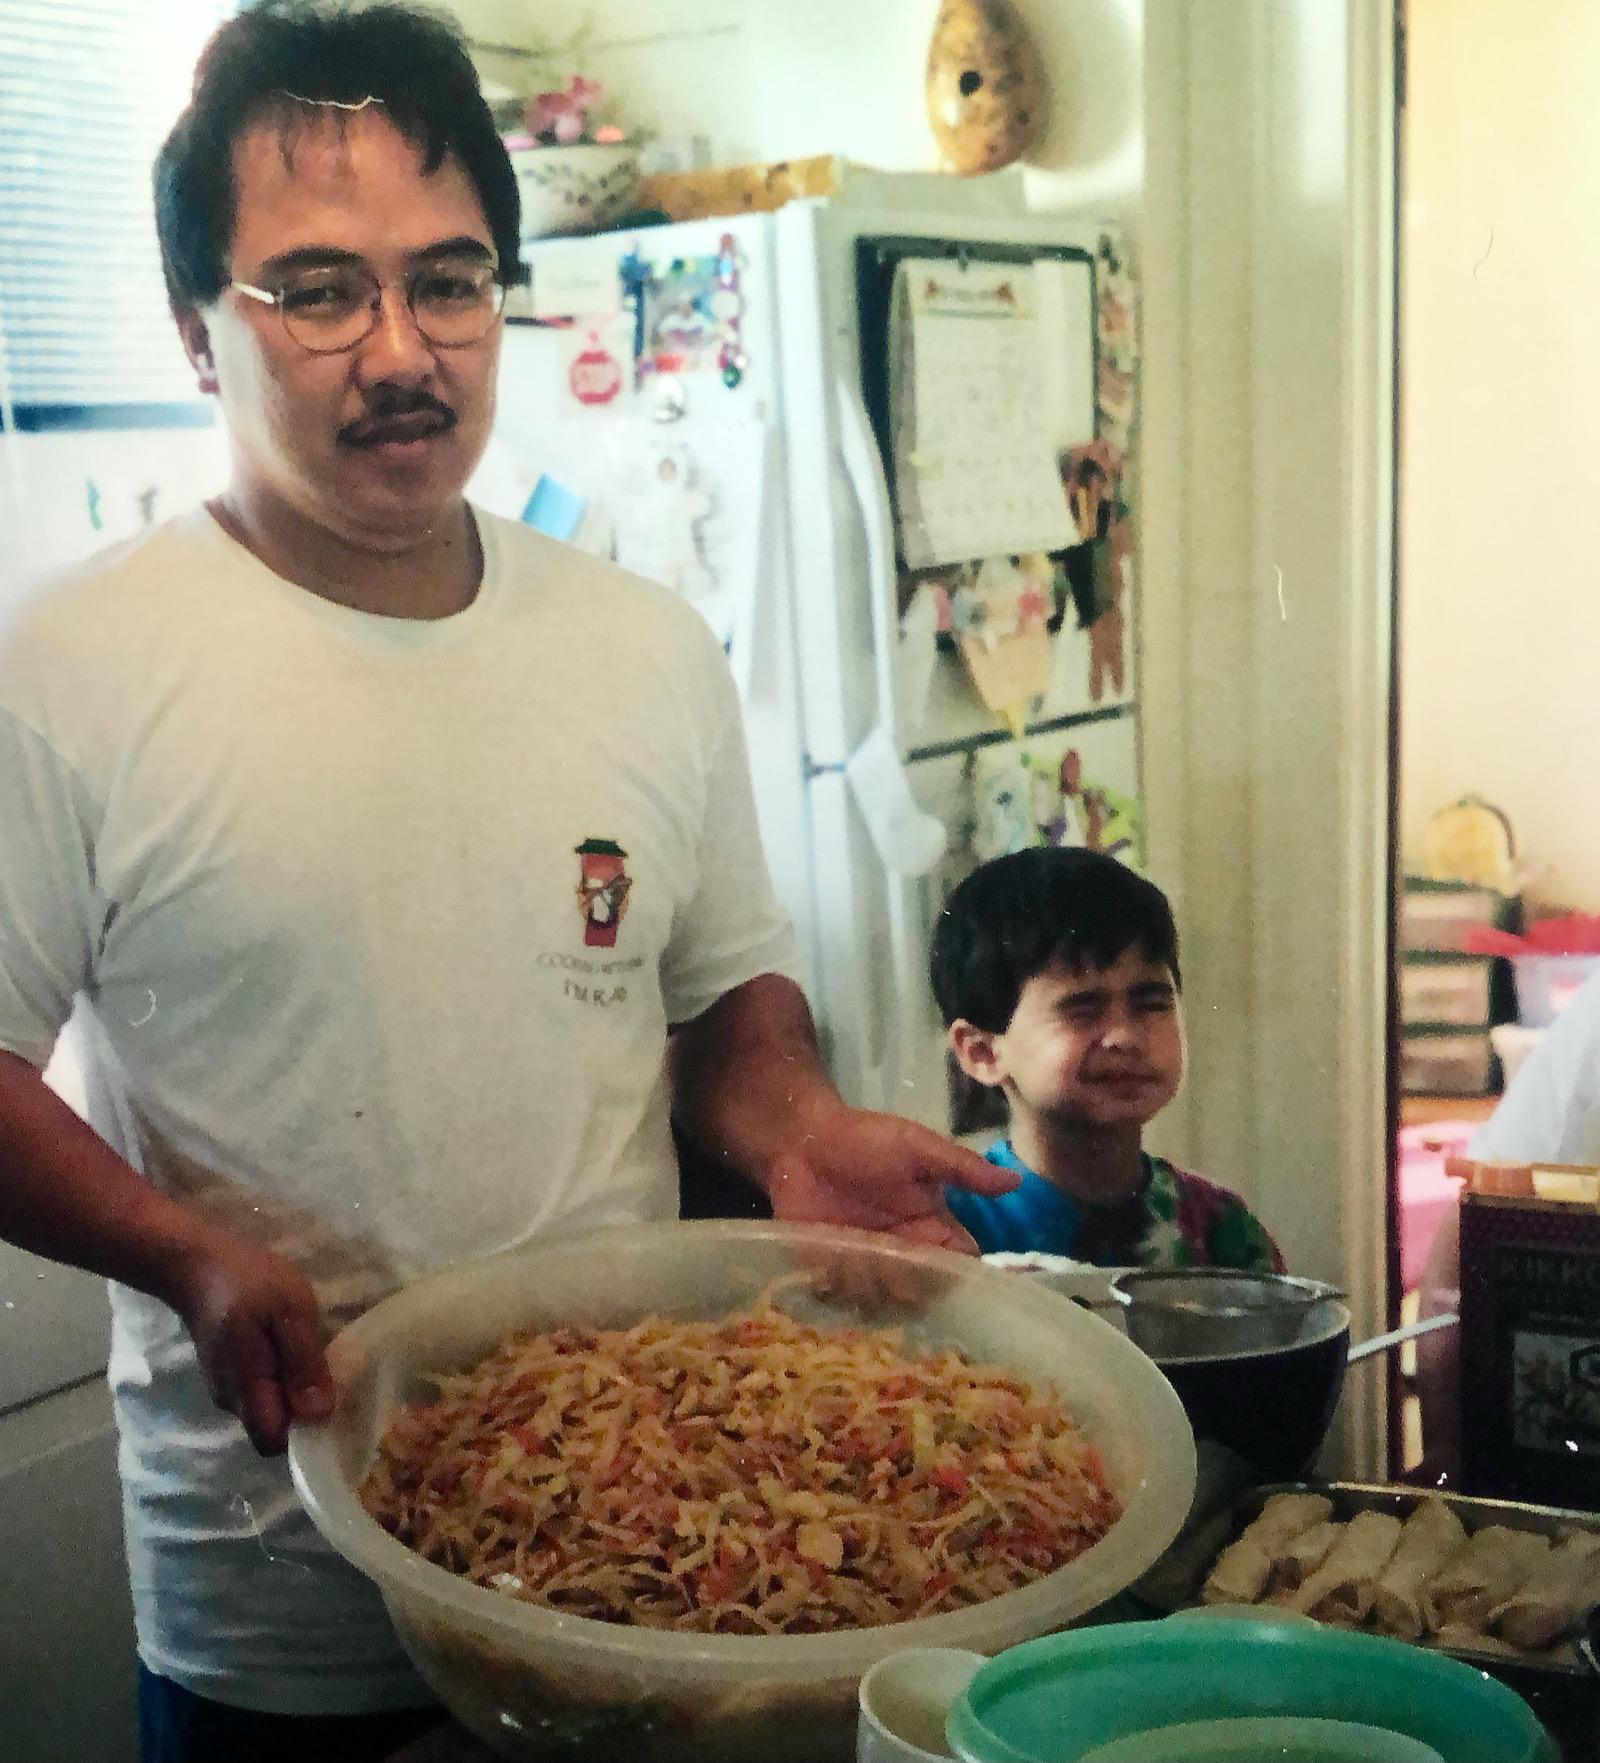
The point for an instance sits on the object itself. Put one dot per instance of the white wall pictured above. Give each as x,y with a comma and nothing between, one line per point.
775,79
1500,362
66,495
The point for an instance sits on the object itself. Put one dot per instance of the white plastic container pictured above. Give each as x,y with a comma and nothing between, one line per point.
542,1684
1512,1043
905,1700
1547,984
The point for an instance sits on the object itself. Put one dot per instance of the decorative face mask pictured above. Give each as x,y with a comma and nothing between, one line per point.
985,86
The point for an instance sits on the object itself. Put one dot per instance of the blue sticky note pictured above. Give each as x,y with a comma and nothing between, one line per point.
554,509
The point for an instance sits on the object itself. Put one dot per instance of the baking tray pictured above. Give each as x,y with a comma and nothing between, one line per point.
1565,1695
1174,1582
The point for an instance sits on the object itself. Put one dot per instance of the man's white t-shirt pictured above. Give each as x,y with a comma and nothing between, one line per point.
1551,1109
377,928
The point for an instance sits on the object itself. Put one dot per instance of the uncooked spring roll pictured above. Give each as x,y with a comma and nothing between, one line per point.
1301,1556
1454,1638
1341,1589
1242,1569
1432,1535
1554,1597
1494,1565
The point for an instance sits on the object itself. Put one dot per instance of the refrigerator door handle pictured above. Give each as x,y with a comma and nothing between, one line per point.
909,841
859,450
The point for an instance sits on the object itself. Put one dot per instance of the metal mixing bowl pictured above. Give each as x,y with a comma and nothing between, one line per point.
1258,1360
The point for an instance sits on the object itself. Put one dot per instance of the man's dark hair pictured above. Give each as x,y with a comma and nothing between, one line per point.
281,58
1012,917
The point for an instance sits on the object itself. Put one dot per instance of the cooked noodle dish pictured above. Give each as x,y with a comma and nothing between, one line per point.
754,1475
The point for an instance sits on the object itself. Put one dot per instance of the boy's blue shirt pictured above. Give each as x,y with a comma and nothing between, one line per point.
1175,1220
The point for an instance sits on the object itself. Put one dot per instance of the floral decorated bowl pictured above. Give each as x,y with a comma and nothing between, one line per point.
579,188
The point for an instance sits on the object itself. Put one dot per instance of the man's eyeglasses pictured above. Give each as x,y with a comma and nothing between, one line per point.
453,302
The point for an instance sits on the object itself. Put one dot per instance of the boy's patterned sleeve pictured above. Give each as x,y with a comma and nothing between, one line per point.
1239,1239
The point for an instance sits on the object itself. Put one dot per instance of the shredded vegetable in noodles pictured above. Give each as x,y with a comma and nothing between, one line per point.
750,1476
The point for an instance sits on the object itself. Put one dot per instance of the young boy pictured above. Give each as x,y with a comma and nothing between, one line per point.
1057,974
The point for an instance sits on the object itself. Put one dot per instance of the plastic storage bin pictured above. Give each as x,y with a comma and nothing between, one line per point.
1441,915
1451,994
1444,1065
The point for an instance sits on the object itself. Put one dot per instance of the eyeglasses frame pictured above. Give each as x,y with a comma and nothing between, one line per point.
374,308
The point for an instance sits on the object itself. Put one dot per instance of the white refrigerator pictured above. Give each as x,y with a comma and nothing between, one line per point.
882,440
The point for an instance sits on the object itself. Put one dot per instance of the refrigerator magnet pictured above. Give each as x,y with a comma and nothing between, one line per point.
595,375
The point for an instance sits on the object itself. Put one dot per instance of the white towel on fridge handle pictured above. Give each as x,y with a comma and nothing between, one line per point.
909,841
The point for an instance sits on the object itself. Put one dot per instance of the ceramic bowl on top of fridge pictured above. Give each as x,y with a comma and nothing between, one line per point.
543,1683
578,188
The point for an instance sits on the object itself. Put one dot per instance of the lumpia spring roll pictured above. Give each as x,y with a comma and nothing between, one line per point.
1494,1565
1431,1536
1242,1569
1554,1597
1341,1589
1471,1640
1301,1556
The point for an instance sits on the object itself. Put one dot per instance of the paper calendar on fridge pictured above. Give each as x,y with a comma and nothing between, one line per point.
991,377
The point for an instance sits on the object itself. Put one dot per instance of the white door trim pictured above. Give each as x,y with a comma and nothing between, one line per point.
1267,265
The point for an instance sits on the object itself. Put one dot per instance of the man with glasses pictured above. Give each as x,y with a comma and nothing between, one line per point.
384,845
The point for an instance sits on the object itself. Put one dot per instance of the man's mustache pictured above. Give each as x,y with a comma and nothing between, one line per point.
398,414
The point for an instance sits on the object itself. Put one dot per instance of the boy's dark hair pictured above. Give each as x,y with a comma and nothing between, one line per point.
1015,915
280,58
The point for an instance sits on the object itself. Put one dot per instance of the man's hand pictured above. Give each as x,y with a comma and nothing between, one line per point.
879,1172
253,1315
750,1088
254,1319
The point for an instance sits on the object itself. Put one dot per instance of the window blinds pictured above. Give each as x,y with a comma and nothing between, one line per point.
88,91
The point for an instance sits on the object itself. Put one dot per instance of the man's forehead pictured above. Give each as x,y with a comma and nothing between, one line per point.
328,175
303,144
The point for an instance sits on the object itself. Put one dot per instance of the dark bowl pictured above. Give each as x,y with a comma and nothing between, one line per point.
1258,1361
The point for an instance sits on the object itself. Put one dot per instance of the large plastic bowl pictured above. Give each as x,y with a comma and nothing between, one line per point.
541,1684
1069,1694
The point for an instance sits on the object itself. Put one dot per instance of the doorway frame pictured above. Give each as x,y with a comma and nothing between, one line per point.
1268,495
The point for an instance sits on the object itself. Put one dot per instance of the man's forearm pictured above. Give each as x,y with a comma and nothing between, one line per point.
748,1077
65,1194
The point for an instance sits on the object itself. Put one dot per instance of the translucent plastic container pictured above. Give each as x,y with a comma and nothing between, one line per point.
1547,984
542,1684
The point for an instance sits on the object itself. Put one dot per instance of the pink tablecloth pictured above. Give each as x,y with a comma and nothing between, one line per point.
1426,1192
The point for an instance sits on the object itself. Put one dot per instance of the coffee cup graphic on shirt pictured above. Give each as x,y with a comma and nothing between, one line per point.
603,886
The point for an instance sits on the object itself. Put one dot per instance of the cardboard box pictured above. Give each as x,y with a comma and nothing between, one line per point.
740,189
1530,1349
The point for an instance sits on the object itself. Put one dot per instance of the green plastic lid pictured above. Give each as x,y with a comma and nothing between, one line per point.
1060,1697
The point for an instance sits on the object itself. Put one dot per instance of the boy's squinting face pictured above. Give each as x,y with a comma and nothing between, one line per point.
1086,1045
